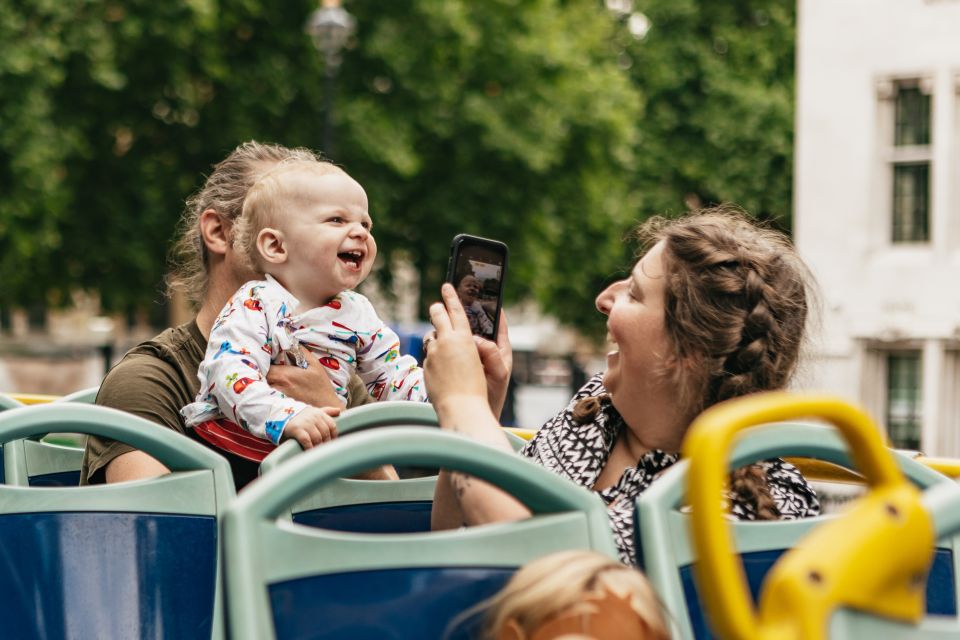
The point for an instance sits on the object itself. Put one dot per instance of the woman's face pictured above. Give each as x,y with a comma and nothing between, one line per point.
635,323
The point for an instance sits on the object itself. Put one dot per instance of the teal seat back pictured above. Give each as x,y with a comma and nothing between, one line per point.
7,402
291,581
372,506
665,551
83,396
137,559
34,462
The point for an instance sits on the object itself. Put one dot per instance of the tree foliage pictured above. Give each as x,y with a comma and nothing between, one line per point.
717,80
512,119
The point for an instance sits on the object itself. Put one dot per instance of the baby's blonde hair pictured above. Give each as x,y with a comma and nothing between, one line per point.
553,584
263,205
224,191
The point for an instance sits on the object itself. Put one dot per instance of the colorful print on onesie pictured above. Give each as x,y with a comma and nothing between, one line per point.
260,325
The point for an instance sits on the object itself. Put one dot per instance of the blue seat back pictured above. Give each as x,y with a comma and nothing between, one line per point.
408,585
664,548
107,575
36,463
138,559
369,506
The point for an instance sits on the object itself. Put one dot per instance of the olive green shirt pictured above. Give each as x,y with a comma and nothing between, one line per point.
154,380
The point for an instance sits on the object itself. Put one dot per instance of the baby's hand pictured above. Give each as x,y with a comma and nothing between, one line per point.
312,426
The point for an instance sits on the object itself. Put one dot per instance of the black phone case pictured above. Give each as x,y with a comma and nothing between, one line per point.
463,240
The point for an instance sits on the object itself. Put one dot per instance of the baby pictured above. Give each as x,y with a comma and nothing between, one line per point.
306,226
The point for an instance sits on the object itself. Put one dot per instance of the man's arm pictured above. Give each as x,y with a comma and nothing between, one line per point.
312,385
133,465
146,387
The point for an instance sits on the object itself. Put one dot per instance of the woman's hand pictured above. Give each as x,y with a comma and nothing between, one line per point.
310,385
497,360
453,370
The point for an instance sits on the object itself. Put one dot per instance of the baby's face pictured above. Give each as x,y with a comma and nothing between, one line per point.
469,289
327,228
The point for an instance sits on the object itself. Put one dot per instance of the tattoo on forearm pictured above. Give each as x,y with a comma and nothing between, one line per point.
460,482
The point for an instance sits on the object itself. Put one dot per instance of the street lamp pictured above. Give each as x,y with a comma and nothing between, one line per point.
330,26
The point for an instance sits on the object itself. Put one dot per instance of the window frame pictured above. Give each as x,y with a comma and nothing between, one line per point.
892,156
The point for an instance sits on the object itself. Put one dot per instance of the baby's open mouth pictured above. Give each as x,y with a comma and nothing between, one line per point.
353,259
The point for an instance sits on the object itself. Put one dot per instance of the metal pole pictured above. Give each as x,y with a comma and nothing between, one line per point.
329,87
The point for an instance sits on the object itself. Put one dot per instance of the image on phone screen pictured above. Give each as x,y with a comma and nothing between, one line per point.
478,279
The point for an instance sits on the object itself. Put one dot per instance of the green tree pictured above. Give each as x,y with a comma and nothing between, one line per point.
499,118
717,80
544,123
505,119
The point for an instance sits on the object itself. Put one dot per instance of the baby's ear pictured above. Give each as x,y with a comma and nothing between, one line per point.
271,246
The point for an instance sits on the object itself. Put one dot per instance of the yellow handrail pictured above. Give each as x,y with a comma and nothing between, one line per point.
834,566
33,398
946,466
527,434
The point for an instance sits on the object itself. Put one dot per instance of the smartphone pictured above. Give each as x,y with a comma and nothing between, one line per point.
476,269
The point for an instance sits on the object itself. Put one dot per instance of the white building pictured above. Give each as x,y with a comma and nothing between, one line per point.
877,207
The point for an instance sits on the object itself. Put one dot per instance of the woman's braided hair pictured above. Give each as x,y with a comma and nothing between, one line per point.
224,191
736,305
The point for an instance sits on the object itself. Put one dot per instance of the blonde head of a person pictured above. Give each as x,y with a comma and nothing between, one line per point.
576,593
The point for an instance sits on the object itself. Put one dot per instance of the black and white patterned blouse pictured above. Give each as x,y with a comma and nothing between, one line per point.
580,452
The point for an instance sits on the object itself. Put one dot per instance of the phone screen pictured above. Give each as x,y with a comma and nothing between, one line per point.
476,271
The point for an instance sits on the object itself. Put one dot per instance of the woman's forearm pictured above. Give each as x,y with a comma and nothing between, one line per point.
457,381
482,503
461,499
446,513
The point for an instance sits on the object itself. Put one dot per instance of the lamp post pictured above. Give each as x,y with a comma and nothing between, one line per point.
330,26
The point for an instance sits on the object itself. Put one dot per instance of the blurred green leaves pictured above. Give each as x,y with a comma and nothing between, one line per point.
544,123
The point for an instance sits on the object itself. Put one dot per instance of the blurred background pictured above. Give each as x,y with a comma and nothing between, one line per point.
554,125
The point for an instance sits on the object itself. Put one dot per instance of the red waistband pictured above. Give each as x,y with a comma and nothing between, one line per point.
231,437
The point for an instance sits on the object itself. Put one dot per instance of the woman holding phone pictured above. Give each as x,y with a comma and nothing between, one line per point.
714,309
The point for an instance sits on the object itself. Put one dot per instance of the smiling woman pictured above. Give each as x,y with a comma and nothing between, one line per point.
714,309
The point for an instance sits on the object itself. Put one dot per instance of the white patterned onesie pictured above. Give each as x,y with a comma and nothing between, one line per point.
260,325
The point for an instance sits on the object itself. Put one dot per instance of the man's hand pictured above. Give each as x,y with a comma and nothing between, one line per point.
310,385
312,426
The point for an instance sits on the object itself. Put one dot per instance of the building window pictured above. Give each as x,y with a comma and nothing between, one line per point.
912,117
904,399
910,162
910,202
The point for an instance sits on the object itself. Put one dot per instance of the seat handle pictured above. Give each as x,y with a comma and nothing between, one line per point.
830,567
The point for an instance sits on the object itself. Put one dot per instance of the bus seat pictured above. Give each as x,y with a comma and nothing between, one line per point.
665,549
859,573
370,506
37,463
291,581
137,559
9,402
83,396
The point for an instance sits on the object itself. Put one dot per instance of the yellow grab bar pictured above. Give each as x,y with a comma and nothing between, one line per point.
33,398
859,561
